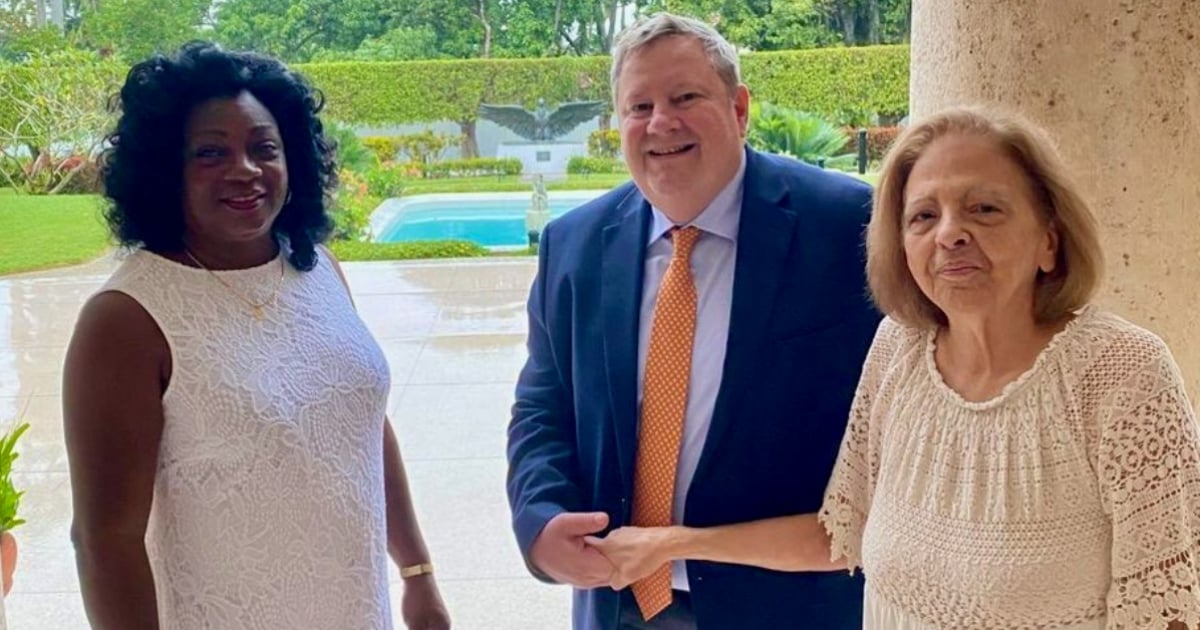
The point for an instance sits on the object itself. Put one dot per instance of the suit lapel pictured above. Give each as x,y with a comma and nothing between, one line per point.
622,258
765,234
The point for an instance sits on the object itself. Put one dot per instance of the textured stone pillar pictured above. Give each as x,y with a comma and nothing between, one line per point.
1117,83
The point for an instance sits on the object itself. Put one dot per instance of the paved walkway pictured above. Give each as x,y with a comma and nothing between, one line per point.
454,336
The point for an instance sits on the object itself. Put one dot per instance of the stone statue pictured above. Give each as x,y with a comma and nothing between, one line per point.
541,200
542,124
538,214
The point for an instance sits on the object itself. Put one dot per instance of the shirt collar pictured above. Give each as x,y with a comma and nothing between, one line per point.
721,217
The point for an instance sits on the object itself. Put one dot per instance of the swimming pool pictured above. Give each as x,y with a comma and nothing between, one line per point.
494,220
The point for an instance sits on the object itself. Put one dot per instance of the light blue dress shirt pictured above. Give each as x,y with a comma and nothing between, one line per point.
712,271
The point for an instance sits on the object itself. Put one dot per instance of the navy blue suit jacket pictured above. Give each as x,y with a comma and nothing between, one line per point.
800,326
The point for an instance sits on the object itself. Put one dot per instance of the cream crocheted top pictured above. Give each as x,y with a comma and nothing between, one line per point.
1070,499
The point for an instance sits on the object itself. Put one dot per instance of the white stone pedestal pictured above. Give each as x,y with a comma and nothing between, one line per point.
548,159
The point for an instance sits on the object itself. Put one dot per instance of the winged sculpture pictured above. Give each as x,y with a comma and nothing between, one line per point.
542,124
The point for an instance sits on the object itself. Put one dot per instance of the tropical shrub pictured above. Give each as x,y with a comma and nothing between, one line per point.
801,135
604,143
10,498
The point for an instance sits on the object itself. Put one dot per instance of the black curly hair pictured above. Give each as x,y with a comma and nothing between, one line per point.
143,166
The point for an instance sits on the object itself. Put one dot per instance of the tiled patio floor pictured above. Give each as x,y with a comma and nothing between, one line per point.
454,335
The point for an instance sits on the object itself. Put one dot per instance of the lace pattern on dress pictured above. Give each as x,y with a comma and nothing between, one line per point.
1073,496
268,507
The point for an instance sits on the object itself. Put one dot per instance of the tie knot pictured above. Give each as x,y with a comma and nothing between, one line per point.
683,239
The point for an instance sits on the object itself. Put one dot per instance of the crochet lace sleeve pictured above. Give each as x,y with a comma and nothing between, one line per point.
1148,462
848,494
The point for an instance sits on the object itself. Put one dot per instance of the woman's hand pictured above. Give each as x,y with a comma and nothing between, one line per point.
422,606
635,552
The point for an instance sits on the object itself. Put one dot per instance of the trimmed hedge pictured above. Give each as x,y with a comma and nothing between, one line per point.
360,250
580,165
472,167
831,81
827,81
399,92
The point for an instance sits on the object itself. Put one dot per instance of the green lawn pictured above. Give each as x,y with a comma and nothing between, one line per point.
40,232
871,178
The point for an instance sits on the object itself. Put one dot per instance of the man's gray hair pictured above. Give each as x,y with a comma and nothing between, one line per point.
645,31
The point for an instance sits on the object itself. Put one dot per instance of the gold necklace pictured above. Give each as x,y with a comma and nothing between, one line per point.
256,308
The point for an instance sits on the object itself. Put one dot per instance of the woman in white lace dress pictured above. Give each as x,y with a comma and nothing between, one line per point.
1015,458
231,464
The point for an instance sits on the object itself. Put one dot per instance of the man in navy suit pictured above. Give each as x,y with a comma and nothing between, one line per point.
774,333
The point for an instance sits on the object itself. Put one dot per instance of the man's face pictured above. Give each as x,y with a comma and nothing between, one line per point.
682,131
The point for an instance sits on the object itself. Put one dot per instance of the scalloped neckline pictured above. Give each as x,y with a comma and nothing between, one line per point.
1012,387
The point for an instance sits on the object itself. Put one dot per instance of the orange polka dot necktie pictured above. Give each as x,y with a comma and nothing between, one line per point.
664,406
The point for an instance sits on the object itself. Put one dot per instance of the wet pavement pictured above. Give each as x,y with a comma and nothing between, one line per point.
453,332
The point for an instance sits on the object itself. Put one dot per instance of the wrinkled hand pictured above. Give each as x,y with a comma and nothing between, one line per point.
422,606
635,552
560,552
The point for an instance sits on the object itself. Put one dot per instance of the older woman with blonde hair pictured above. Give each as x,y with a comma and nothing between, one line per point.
1016,457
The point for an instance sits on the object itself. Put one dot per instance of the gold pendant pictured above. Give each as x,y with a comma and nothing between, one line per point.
258,313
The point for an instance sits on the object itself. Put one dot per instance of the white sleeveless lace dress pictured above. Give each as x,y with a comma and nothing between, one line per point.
268,507
1070,500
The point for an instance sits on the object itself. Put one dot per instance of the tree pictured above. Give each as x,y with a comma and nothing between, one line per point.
758,24
26,30
795,24
869,22
121,27
896,16
590,27
17,16
20,44
32,14
520,28
297,30
528,30
459,25
792,24
399,44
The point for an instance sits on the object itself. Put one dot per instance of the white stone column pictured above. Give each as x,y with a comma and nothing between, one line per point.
1117,83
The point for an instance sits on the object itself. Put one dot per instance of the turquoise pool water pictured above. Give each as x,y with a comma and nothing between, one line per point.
490,219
